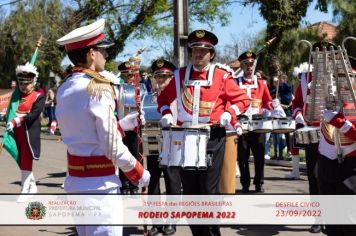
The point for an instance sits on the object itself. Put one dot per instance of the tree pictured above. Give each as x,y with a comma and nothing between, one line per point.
281,16
126,19
139,19
345,11
21,30
291,52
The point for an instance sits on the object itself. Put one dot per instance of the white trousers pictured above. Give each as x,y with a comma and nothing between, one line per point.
100,230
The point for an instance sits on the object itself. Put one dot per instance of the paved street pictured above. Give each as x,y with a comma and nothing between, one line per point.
50,173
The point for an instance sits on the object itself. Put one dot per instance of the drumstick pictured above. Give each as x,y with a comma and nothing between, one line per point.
277,87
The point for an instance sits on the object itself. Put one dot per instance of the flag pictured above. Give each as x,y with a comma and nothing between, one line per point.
8,141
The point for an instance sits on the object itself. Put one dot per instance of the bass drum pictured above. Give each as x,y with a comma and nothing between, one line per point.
126,99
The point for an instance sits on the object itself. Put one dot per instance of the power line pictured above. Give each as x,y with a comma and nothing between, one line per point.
9,3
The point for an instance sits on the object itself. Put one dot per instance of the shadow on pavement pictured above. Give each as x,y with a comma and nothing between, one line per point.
71,231
132,230
253,230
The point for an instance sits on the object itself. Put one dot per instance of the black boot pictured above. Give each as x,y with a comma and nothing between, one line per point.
155,230
169,230
259,188
314,229
245,189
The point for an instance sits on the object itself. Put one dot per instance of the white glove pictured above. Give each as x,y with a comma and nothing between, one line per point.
329,115
9,126
16,122
225,119
275,103
129,122
167,120
145,179
299,119
238,129
278,112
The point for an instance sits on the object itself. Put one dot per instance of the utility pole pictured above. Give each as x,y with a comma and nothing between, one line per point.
180,32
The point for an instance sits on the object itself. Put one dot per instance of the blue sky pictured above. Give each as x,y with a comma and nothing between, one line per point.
244,21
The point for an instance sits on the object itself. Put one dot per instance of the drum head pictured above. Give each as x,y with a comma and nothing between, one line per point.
149,106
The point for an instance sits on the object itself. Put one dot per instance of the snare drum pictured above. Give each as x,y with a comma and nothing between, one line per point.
126,99
261,125
283,125
305,136
184,147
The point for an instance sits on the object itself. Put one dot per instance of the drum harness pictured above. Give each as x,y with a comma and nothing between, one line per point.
197,84
248,89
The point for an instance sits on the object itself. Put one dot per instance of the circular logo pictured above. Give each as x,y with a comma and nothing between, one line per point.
127,65
160,63
35,211
249,54
200,33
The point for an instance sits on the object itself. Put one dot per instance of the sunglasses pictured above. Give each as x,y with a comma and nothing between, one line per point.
25,82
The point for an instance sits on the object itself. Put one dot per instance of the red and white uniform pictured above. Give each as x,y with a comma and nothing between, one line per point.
27,128
221,95
299,100
327,145
259,94
347,131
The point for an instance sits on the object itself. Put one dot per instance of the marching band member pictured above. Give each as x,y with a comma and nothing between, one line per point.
336,172
203,90
258,91
311,150
85,114
126,73
162,72
298,72
26,126
131,136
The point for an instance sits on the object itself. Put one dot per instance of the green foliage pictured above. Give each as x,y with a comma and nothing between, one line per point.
282,17
345,10
111,66
22,29
126,19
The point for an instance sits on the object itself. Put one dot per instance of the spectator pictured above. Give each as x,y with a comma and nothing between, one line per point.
39,88
13,85
50,104
286,95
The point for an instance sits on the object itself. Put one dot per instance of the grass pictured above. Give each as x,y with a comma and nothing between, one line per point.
286,157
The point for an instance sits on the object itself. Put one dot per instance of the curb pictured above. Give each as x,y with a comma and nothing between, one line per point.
302,165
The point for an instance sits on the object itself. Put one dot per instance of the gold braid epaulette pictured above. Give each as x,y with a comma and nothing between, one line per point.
98,84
